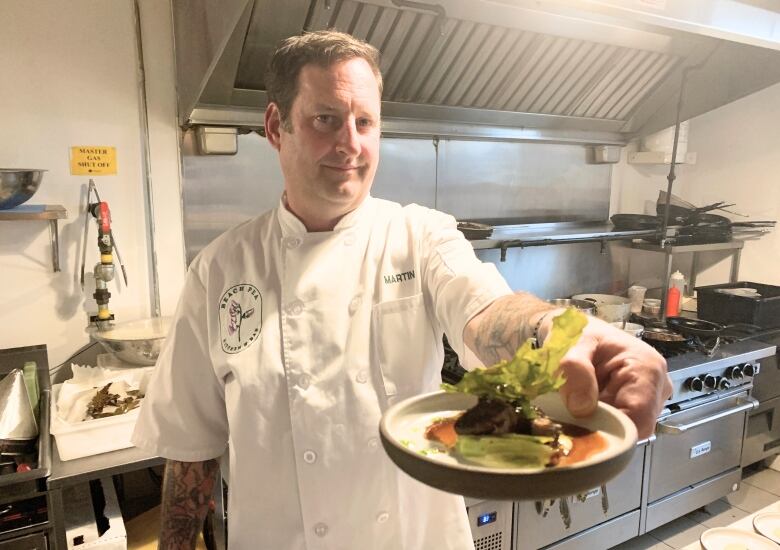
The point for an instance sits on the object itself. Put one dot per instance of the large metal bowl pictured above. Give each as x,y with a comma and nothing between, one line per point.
17,186
135,342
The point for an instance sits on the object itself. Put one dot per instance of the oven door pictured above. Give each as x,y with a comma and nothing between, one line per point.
698,442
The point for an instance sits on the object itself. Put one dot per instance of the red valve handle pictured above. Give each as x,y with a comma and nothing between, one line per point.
104,218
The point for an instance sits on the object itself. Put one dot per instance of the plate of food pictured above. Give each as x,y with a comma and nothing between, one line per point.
504,433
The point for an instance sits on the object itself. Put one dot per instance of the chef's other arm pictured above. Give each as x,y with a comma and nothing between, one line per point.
187,490
606,363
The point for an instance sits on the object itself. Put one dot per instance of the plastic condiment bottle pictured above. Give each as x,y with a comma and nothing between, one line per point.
677,280
673,302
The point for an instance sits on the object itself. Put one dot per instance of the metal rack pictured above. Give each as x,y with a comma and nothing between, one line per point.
545,234
46,212
735,246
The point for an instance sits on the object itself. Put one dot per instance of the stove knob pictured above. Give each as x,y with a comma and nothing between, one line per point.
694,384
710,381
749,369
723,384
734,373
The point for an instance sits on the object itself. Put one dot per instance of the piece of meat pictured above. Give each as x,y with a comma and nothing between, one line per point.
489,416
543,425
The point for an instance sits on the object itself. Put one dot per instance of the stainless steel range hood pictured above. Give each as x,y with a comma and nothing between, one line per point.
563,70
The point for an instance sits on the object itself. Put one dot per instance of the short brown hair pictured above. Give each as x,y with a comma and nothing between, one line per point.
323,48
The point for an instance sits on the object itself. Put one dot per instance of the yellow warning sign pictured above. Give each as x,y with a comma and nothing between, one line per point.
92,160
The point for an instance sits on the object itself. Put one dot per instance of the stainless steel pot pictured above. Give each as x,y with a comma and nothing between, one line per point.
589,308
610,308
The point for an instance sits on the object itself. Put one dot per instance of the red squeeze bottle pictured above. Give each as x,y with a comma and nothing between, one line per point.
673,302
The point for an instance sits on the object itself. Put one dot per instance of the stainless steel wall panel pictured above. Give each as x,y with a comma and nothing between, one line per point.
522,182
407,172
222,191
559,271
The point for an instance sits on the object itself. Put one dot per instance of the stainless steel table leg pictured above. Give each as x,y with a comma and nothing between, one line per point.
735,257
55,245
57,540
220,536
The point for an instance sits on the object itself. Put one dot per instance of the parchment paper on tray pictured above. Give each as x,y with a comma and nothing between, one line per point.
95,392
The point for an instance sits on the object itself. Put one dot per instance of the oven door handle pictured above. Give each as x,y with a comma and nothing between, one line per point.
743,404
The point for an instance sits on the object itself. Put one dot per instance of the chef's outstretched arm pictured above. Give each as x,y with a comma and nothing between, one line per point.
187,489
606,363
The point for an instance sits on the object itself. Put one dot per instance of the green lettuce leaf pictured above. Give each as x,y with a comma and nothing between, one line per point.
505,451
531,372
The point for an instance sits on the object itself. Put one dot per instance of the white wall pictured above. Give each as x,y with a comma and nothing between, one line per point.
738,161
70,78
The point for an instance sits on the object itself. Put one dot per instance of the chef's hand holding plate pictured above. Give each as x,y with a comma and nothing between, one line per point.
610,365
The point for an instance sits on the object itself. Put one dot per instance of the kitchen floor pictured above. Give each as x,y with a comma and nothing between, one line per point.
760,487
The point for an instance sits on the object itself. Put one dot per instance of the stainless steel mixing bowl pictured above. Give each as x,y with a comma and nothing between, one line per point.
18,185
135,342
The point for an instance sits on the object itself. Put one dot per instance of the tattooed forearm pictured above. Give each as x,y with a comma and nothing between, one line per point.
503,326
187,489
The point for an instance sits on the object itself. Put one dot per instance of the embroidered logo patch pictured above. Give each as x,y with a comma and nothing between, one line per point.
240,317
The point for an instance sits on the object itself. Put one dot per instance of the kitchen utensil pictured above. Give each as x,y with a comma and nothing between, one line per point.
18,185
636,295
663,336
134,342
475,231
18,426
651,306
634,329
588,308
402,430
731,538
635,222
768,524
707,329
610,308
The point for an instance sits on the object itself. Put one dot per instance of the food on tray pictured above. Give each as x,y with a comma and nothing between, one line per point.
105,403
504,429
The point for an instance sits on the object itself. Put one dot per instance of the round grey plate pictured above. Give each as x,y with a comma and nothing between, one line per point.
402,431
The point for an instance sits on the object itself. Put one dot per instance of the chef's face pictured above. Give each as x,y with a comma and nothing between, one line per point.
330,148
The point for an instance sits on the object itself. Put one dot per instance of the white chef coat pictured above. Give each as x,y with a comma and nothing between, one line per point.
286,348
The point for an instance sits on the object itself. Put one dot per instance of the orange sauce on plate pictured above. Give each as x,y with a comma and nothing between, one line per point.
585,443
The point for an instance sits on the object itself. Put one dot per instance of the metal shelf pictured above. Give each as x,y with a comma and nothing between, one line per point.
40,212
735,246
545,234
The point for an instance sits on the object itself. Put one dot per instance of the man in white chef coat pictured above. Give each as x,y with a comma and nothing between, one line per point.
297,329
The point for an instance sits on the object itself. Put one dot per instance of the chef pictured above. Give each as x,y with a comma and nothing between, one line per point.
297,329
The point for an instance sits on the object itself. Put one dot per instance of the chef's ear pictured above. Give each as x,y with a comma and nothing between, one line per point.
273,125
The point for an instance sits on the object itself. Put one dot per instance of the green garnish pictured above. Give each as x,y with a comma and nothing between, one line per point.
531,372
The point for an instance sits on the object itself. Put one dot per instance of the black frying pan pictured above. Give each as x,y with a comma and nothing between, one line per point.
708,329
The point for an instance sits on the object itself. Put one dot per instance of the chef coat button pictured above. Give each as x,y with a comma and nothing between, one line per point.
293,242
362,377
354,304
304,380
349,239
382,517
373,443
320,529
309,457
295,307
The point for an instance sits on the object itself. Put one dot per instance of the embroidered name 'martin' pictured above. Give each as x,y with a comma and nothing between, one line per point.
399,277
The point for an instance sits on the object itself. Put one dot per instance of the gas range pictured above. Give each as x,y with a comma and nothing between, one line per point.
732,365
